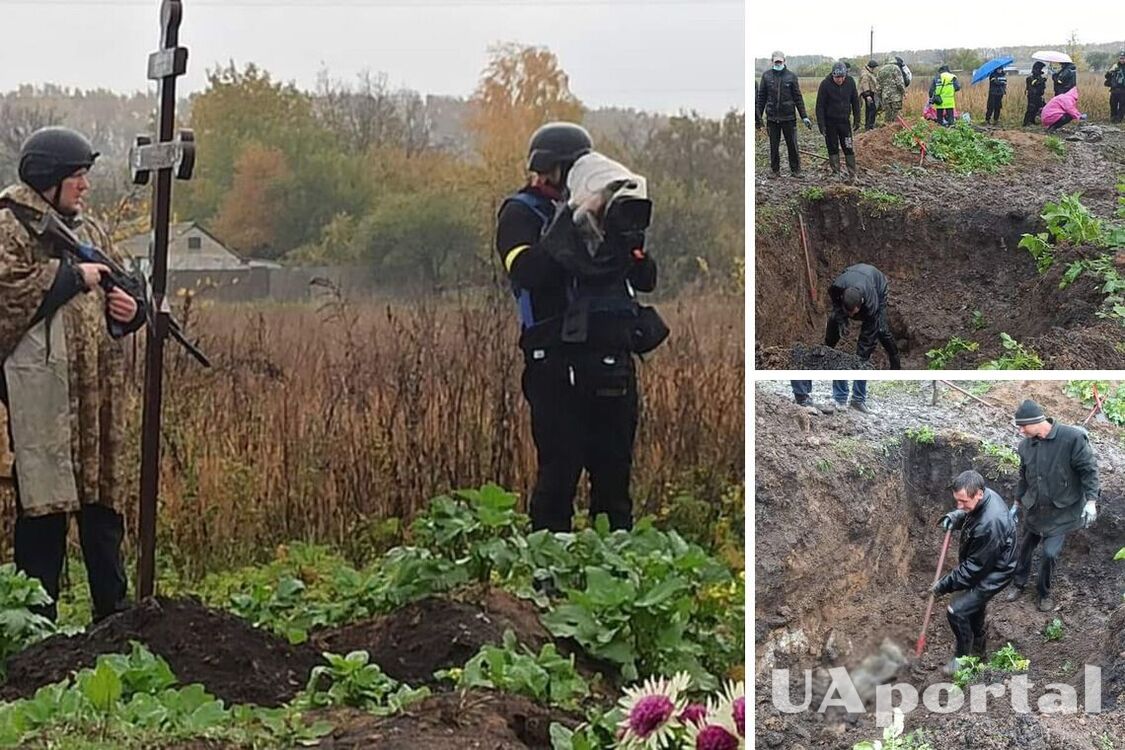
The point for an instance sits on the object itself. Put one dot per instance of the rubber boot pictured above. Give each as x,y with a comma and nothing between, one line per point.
834,162
980,647
950,667
852,173
1014,593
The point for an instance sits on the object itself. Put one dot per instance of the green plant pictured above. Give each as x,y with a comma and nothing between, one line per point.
880,199
19,627
132,701
546,677
961,147
1009,660
1007,457
894,739
353,681
813,193
1017,357
1040,248
1112,397
1055,145
1053,631
1105,743
923,435
939,359
977,320
824,466
864,472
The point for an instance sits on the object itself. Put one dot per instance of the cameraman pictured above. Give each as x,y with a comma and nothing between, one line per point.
579,330
63,374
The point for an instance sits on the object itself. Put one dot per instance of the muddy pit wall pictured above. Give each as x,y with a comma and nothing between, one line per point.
847,520
941,267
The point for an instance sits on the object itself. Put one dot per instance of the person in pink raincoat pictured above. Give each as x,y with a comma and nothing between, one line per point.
1061,110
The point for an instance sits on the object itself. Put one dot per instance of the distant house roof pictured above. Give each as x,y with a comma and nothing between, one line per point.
212,254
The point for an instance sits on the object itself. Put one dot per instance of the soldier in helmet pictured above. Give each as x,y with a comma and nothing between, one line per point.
63,378
582,389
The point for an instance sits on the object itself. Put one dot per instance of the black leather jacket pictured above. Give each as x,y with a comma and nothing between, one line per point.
987,557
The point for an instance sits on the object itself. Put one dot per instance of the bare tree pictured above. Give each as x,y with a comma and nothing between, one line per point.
17,121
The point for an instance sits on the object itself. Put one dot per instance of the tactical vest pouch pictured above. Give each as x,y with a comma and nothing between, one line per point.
649,331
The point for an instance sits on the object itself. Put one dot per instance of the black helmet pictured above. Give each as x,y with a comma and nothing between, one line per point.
557,143
50,155
872,64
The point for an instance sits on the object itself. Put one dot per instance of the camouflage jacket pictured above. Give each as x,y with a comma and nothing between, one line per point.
892,88
94,365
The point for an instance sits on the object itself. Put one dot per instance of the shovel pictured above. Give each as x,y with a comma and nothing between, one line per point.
920,646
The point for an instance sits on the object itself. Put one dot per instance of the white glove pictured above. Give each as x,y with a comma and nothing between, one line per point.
1089,514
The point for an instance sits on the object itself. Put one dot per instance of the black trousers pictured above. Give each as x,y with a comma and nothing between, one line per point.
1052,548
992,109
1117,105
789,130
871,331
869,112
40,552
837,135
584,411
1066,117
966,617
1033,107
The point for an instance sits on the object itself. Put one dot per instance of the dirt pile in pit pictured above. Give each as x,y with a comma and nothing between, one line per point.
473,719
801,357
875,150
234,661
949,273
413,642
831,591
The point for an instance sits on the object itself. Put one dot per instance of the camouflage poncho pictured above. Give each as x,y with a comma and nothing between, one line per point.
69,409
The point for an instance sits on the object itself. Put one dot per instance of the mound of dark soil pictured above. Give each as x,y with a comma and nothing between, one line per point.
474,719
816,357
234,661
412,643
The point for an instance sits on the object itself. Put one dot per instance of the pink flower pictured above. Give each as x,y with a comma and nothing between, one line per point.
712,737
740,716
696,713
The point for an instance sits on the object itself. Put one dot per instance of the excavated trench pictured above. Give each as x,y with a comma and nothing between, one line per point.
951,272
845,590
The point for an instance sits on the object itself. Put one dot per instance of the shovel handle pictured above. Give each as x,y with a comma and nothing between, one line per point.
920,646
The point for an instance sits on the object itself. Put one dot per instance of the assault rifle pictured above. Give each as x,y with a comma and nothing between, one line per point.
47,226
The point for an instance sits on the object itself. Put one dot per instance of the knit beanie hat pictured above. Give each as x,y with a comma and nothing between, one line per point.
1029,412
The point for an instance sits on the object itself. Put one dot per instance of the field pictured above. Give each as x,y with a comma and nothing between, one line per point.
847,591
951,235
315,591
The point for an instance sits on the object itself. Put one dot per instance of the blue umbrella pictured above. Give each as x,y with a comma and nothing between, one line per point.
986,70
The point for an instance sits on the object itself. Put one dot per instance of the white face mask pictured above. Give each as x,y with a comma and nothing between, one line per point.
779,66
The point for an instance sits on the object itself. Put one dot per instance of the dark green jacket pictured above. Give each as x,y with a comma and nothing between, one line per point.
1058,475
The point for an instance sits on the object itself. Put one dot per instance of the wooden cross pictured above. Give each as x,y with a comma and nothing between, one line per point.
170,154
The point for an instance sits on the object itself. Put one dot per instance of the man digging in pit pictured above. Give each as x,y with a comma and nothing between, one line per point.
1058,492
860,293
987,558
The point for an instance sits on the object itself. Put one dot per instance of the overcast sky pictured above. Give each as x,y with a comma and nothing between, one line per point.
660,55
838,30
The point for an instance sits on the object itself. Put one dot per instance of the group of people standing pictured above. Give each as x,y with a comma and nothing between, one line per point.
882,88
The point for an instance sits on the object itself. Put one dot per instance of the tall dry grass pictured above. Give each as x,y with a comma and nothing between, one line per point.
317,424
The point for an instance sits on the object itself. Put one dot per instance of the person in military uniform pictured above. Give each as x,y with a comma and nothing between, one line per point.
860,293
1057,491
986,561
63,373
1115,82
582,389
892,89
1036,93
869,92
